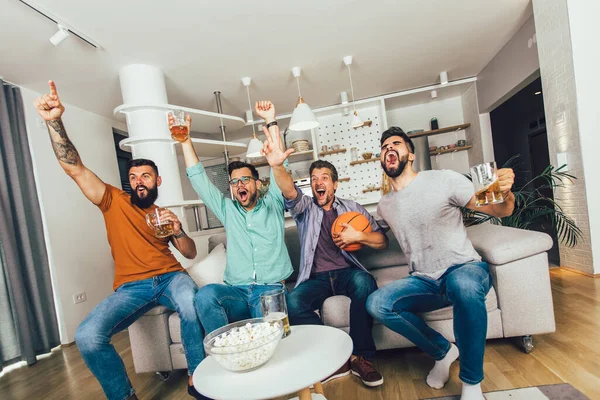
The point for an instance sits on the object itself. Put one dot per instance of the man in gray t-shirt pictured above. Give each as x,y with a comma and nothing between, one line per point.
423,211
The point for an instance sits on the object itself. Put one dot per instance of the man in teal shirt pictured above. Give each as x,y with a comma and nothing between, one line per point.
257,258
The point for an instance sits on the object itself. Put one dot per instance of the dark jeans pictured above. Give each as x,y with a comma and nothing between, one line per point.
174,290
464,287
217,304
352,282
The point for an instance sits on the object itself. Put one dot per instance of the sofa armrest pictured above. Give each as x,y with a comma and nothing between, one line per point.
524,295
501,244
150,341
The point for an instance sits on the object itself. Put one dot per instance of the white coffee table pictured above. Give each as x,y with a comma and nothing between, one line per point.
308,355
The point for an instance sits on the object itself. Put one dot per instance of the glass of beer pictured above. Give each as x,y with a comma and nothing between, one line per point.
179,130
161,228
487,187
274,308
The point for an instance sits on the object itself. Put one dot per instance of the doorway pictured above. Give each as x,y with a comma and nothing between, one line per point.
519,128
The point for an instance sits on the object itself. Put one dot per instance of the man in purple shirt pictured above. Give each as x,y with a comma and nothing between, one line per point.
326,269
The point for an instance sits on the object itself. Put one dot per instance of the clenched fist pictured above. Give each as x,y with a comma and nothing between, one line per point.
49,106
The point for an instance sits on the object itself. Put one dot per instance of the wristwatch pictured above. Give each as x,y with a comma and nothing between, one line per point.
182,234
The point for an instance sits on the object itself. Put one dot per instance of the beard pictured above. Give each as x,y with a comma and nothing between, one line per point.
146,201
247,199
394,172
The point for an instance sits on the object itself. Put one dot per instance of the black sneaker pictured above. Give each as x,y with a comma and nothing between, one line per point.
195,394
366,371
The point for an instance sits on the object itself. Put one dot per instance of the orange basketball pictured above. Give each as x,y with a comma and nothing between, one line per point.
355,220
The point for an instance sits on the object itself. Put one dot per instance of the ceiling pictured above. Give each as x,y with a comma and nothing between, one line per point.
206,46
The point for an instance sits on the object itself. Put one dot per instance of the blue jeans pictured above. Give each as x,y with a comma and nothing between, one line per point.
174,290
352,282
218,305
464,287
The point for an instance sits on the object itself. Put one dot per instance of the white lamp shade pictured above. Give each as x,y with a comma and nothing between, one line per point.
356,121
303,118
254,147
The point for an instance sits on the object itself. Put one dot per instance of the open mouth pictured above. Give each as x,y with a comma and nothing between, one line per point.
391,157
321,193
141,190
243,195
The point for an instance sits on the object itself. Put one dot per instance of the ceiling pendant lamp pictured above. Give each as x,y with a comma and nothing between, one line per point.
302,117
356,122
255,146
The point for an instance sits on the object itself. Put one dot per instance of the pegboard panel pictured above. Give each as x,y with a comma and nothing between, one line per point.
335,129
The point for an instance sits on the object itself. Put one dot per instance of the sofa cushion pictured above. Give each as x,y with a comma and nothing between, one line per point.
502,244
336,310
211,268
175,327
215,240
159,310
375,259
370,258
383,276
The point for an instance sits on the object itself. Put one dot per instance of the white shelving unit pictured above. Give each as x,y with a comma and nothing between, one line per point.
203,147
202,121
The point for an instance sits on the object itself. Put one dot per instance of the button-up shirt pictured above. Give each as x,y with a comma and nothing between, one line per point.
308,216
256,251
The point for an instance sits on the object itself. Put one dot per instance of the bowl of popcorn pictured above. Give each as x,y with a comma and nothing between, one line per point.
244,345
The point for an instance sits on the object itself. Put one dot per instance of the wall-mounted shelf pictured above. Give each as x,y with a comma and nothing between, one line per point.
364,161
435,153
440,131
344,179
366,123
326,153
371,190
302,155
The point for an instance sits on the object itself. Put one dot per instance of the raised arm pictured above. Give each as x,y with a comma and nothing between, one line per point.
208,192
274,151
50,108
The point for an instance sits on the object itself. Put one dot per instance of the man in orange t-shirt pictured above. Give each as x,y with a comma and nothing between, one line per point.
146,272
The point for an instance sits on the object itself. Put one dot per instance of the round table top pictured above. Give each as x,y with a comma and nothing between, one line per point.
308,355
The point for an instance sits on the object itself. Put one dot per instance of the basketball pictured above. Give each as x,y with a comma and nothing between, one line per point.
355,220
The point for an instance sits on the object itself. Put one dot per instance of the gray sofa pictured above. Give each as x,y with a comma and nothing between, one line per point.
519,304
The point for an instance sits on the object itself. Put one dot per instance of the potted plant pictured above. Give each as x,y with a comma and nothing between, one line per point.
533,208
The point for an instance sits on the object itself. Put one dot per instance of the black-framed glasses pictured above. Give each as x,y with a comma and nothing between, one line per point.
243,179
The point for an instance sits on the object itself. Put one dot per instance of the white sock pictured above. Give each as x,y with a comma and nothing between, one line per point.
471,392
440,373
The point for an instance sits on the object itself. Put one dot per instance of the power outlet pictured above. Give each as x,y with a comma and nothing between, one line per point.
79,297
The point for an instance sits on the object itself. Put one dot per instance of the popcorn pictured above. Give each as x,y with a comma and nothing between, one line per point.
246,347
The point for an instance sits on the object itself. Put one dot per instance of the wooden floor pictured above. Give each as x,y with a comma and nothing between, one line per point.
572,355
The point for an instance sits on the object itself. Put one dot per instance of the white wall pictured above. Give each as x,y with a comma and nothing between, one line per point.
448,112
514,67
80,258
562,122
585,31
487,142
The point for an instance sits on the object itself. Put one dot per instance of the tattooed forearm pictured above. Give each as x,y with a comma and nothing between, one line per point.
63,148
58,127
66,153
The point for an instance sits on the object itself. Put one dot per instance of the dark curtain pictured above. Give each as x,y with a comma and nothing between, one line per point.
28,324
